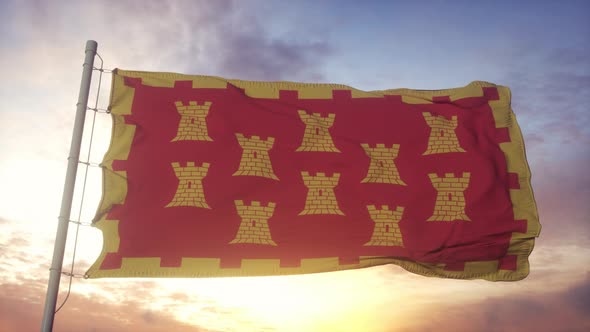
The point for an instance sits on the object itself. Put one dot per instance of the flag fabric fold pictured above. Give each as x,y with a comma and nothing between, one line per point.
209,177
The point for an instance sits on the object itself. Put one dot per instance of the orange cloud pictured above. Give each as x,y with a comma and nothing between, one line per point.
21,309
568,310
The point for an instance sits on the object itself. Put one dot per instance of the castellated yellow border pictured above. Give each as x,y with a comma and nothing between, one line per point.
115,184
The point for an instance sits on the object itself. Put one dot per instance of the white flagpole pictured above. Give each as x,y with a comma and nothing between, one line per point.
68,193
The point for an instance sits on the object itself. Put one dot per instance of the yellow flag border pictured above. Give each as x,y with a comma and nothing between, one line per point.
115,184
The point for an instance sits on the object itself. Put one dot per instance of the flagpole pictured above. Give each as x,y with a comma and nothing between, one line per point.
68,192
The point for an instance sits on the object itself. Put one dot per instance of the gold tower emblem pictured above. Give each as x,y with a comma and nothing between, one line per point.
321,198
255,159
317,136
386,231
192,125
254,225
382,168
450,199
190,186
443,138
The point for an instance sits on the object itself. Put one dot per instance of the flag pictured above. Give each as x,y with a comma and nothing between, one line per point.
210,177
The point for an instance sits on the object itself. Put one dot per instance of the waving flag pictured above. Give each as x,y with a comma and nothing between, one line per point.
211,177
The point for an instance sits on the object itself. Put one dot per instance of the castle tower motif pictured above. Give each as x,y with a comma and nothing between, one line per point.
255,159
450,200
443,138
192,126
190,186
254,225
382,168
316,136
321,198
386,231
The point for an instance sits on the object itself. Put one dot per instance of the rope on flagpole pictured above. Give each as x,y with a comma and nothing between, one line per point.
102,70
88,164
81,224
99,110
61,233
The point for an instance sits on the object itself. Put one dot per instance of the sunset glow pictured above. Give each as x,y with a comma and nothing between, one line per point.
540,49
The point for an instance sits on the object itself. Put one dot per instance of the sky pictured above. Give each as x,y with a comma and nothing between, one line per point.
540,49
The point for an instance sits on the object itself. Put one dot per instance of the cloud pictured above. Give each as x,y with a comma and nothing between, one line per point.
568,310
266,59
19,263
562,190
21,310
550,93
120,305
579,297
200,37
18,241
224,36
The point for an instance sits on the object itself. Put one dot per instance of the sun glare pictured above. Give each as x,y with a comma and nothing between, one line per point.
337,301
